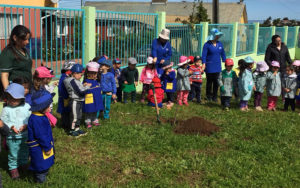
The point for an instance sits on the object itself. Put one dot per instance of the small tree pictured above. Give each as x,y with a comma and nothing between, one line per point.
267,22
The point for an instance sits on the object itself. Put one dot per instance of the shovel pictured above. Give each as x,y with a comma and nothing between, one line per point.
156,105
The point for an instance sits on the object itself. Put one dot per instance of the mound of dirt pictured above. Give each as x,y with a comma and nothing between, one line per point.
196,125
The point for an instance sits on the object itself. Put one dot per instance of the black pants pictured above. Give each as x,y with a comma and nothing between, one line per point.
170,96
146,88
119,94
195,91
289,102
212,85
133,96
225,101
65,120
40,177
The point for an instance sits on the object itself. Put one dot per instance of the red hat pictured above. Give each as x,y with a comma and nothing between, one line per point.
229,62
156,82
191,59
44,72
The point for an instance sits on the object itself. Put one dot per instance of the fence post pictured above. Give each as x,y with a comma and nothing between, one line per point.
296,36
89,34
204,33
286,29
273,30
234,39
161,22
256,35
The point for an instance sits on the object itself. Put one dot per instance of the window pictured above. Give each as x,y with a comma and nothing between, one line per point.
110,30
62,31
9,21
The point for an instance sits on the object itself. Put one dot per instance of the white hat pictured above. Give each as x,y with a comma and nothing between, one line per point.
164,34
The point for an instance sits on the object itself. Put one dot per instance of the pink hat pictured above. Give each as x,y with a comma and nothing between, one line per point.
296,63
182,60
93,66
275,64
150,60
44,72
262,66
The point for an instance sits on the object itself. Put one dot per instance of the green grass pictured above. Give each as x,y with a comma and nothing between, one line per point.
252,149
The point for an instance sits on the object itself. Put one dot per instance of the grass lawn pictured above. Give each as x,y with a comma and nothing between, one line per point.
251,149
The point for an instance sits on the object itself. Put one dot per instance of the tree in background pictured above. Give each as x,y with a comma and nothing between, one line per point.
279,22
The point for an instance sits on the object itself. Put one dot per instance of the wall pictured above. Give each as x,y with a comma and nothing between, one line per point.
38,3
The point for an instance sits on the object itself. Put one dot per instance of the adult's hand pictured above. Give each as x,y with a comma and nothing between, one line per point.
4,79
162,61
154,60
203,67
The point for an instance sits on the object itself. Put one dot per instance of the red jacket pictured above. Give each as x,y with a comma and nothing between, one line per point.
159,95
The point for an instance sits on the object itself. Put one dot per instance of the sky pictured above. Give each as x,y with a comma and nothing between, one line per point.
256,9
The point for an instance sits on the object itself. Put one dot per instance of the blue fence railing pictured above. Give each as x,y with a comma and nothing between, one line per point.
264,39
56,33
290,42
245,39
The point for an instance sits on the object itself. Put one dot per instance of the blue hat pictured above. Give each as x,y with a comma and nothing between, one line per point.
106,62
102,59
213,33
117,61
77,68
249,59
167,64
41,100
16,91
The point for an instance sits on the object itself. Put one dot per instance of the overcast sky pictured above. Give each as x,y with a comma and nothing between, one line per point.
256,9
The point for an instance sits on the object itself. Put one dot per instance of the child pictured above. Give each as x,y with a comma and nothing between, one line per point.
273,85
183,82
296,65
196,79
227,81
40,79
148,73
63,107
40,139
50,87
159,93
259,78
191,61
76,91
237,73
15,115
26,84
116,70
108,85
129,77
245,83
169,82
93,103
289,85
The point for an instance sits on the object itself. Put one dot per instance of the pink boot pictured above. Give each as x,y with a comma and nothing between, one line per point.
179,97
185,97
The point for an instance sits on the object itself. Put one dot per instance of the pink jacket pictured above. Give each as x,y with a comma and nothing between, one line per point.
147,75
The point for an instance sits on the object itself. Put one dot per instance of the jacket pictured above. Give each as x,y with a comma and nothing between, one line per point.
161,52
282,55
183,81
75,89
63,96
228,82
147,75
129,75
211,56
260,80
159,95
245,85
273,84
108,83
169,82
197,73
93,102
290,82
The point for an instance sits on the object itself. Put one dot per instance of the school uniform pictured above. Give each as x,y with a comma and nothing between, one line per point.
290,82
108,86
169,85
63,107
260,80
245,85
130,76
227,82
273,88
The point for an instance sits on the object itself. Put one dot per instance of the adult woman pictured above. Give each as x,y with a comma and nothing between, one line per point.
278,51
161,50
14,59
212,52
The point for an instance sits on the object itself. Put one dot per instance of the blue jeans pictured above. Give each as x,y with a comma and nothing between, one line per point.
225,101
106,102
40,177
18,153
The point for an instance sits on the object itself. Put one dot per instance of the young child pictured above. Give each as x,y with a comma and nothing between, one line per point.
148,73
76,91
273,85
129,77
15,115
93,103
50,87
289,85
259,78
169,83
237,73
40,79
245,83
227,81
108,86
63,107
26,84
40,139
159,93
116,70
196,79
183,82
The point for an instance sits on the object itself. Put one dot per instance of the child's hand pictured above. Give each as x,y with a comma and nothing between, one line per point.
23,128
275,73
254,88
114,96
191,72
167,73
136,83
15,130
1,123
125,82
48,152
288,90
162,61
154,60
55,83
140,82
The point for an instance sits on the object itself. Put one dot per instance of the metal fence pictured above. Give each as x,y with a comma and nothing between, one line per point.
185,40
245,39
290,42
123,35
226,39
264,39
280,31
56,33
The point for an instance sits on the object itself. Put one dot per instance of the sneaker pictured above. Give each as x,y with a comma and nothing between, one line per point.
14,173
186,103
96,124
243,109
74,133
89,126
180,103
226,109
258,108
274,109
142,100
214,99
81,132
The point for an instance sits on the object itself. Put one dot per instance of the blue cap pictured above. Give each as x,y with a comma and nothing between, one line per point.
16,91
213,33
41,100
102,59
77,68
249,59
117,61
107,62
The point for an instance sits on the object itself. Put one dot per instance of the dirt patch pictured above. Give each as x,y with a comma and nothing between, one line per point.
196,125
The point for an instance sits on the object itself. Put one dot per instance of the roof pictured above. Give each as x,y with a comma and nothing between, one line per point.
229,12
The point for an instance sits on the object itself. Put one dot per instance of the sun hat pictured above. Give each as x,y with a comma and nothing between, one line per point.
275,64
182,60
15,90
77,68
41,100
43,72
156,82
68,65
107,63
167,64
262,66
197,58
93,66
102,58
213,33
249,59
191,59
132,61
117,61
229,62
150,60
296,63
164,34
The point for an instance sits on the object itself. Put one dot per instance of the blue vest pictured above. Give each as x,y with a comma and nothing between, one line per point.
93,99
63,96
